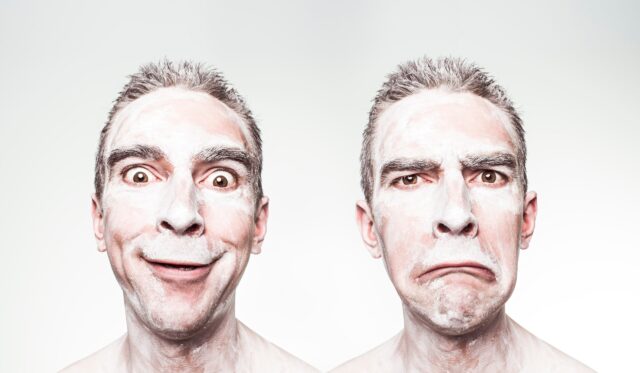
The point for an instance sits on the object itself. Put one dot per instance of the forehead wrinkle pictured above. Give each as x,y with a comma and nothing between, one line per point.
426,105
152,102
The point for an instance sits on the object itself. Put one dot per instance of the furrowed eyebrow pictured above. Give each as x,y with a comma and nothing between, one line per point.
217,153
476,162
136,151
404,164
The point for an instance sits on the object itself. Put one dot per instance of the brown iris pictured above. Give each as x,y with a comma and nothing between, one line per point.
409,179
489,176
220,181
140,177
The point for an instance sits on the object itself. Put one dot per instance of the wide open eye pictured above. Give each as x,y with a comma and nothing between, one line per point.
139,176
221,179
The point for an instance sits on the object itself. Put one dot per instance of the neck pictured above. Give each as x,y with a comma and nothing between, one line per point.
489,348
215,348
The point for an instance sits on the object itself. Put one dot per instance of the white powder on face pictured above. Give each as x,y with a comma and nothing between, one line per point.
171,248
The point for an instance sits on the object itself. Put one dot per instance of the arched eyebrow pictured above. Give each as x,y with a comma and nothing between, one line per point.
221,153
405,164
480,161
137,151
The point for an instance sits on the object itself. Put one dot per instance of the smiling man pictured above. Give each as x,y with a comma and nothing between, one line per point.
178,208
447,208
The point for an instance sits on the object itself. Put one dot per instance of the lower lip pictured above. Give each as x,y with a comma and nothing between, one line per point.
177,274
479,272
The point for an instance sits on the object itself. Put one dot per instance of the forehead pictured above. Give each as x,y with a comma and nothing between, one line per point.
437,123
179,119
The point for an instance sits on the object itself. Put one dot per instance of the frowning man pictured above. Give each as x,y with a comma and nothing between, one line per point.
447,208
178,208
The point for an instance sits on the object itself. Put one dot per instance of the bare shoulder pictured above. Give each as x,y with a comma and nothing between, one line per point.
379,359
107,359
266,356
540,356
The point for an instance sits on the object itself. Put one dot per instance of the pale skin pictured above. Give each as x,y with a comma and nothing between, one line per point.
178,219
448,215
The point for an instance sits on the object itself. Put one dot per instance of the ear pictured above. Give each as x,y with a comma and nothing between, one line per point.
262,214
98,223
528,218
364,218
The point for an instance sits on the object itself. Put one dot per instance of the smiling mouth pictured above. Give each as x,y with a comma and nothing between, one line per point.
470,268
178,267
179,271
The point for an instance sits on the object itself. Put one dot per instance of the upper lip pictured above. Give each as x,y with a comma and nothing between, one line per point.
177,263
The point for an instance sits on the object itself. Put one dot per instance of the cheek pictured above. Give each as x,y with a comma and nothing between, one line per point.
229,220
499,223
128,215
404,223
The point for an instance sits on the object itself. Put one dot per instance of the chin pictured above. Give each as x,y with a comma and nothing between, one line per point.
177,326
175,319
458,311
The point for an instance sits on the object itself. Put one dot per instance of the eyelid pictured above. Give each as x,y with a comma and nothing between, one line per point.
233,183
501,179
422,177
126,169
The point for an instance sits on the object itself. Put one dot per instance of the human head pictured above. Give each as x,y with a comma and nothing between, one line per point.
178,212
188,75
446,206
454,74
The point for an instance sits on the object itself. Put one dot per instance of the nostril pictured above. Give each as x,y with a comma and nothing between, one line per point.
166,226
443,228
468,228
193,228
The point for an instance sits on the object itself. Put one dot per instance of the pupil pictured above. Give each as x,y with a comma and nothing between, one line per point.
220,181
140,177
409,179
489,177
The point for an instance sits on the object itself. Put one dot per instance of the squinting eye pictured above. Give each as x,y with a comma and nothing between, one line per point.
139,175
489,176
409,179
221,179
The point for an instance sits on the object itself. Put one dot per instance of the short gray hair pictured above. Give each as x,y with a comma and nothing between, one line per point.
188,75
454,74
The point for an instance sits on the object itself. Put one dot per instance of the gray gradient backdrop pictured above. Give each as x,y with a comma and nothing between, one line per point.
309,71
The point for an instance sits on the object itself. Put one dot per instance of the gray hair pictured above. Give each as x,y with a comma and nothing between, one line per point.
454,74
191,76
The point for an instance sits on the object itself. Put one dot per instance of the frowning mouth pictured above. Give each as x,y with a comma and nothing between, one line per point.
468,268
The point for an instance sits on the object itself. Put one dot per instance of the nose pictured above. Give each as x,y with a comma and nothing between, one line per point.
454,216
180,214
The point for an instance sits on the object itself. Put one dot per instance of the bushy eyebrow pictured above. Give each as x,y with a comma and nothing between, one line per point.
137,151
221,153
405,164
500,159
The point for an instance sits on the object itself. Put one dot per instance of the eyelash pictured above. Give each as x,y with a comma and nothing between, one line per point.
501,178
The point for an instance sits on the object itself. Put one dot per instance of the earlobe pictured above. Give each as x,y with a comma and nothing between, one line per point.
262,215
529,213
364,218
98,225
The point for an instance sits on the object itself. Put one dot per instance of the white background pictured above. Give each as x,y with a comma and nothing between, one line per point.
309,70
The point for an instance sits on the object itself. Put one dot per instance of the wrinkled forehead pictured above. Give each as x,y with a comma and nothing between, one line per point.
175,114
437,124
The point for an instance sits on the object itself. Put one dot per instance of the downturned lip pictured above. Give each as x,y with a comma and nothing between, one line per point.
470,268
